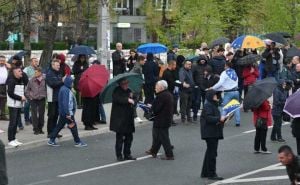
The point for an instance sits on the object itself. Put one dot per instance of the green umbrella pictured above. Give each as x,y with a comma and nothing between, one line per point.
135,84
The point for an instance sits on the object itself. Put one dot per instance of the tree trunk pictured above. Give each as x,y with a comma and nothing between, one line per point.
25,16
51,15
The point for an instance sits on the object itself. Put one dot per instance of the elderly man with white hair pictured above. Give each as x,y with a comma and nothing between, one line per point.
163,111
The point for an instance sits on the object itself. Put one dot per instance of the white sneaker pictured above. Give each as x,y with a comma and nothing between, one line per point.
138,120
18,142
13,143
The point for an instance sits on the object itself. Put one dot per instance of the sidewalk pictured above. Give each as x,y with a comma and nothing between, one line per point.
30,140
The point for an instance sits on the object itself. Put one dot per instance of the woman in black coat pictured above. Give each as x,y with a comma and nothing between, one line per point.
296,132
122,119
79,67
211,131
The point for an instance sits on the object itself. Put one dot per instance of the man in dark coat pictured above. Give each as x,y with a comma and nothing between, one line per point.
170,75
150,71
122,120
119,61
163,111
211,131
296,78
292,163
280,95
54,81
3,173
271,56
218,62
198,93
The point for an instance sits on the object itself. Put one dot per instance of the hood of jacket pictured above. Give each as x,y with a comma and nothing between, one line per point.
68,82
210,96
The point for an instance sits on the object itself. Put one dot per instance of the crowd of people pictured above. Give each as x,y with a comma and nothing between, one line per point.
206,83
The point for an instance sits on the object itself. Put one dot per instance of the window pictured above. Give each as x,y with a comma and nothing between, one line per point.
158,4
122,7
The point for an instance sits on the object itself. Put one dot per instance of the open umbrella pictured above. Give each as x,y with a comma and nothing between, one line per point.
276,37
154,48
82,50
292,105
135,84
248,59
247,41
219,41
93,80
20,54
293,51
259,92
284,34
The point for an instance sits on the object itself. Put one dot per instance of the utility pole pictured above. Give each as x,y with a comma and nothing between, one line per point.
103,33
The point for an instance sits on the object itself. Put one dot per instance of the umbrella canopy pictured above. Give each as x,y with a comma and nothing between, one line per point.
195,58
259,92
154,48
219,41
93,80
276,37
248,59
82,50
292,105
293,51
247,41
284,34
20,54
135,84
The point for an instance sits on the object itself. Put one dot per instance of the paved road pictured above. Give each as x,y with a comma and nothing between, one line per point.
96,164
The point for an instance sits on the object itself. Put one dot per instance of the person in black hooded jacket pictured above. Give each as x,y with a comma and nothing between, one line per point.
211,131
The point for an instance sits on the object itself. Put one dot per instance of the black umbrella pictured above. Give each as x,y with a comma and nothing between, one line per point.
259,92
276,37
293,51
248,59
284,34
20,55
219,41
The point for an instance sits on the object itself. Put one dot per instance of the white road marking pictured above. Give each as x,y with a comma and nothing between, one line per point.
105,166
238,177
250,131
39,182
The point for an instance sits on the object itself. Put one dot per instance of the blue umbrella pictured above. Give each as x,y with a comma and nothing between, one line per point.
20,54
82,50
154,48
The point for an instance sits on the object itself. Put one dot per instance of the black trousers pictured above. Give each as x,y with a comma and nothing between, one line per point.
260,139
185,104
38,114
14,119
2,107
160,137
298,145
210,158
276,131
52,116
149,93
3,173
123,141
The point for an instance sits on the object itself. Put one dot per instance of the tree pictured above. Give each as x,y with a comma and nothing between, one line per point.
25,12
50,10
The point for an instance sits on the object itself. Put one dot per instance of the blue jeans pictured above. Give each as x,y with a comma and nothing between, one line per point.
27,111
228,96
60,125
102,112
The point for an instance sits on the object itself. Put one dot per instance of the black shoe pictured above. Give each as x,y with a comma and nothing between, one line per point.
280,140
89,128
189,120
120,158
129,158
41,132
237,125
216,178
36,132
102,122
59,136
94,128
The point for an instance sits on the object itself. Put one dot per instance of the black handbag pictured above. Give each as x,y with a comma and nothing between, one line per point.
261,123
149,115
286,117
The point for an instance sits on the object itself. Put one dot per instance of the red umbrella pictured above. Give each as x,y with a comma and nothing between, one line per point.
93,80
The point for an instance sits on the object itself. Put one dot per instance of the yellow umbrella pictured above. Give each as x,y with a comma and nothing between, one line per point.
247,41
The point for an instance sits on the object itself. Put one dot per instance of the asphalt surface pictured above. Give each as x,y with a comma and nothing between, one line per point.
97,165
